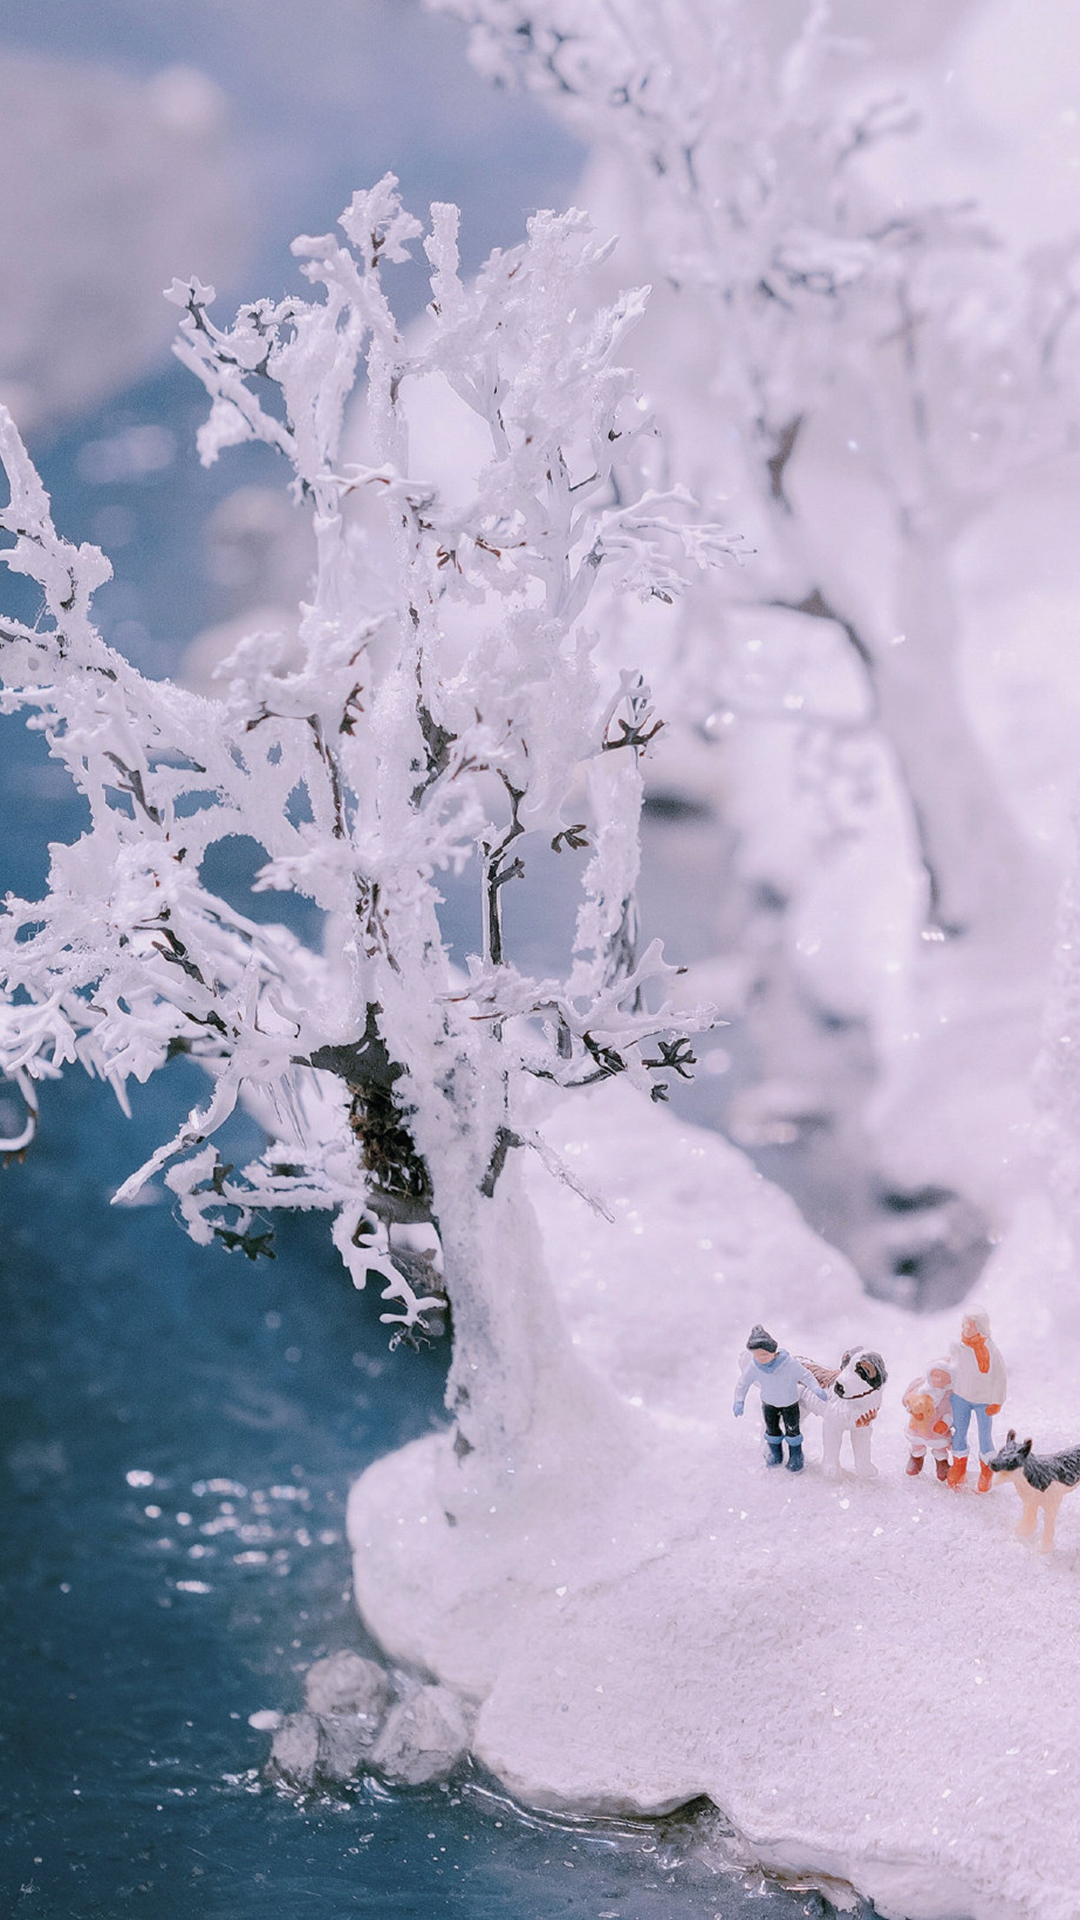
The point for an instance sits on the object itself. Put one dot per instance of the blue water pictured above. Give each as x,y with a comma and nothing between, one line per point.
179,1430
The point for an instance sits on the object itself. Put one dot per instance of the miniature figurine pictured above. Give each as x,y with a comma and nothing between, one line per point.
779,1378
852,1400
929,1403
978,1387
1042,1481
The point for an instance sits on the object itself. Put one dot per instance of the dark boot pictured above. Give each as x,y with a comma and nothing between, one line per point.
914,1465
794,1454
774,1451
942,1469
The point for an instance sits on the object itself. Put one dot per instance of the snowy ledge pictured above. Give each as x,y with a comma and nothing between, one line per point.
875,1680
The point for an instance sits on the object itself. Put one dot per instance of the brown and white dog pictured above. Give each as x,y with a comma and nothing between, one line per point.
854,1389
1042,1480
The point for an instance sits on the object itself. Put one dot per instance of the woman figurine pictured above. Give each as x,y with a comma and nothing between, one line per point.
978,1387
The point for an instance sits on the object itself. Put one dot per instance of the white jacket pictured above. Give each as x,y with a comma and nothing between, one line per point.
779,1381
982,1389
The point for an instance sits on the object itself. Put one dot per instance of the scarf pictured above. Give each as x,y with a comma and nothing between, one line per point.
977,1343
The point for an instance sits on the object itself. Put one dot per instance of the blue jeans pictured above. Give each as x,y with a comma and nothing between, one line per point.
962,1411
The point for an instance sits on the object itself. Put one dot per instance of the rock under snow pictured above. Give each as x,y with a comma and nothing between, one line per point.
294,1755
345,1744
331,1747
346,1699
347,1683
424,1737
873,1680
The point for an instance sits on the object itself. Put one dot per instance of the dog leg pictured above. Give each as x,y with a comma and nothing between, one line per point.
1050,1505
830,1448
860,1449
1029,1519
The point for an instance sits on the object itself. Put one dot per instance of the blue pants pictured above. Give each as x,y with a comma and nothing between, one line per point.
962,1411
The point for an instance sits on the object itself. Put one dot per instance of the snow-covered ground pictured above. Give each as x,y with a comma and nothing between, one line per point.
874,1679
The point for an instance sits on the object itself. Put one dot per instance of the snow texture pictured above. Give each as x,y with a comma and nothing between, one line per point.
866,1677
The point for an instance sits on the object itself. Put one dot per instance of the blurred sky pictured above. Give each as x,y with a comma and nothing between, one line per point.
204,134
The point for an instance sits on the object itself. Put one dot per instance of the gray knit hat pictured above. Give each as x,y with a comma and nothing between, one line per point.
761,1342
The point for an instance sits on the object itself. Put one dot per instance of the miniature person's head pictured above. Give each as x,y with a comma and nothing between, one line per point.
761,1346
939,1376
975,1326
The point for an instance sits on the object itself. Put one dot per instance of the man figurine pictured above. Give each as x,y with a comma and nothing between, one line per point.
778,1377
978,1387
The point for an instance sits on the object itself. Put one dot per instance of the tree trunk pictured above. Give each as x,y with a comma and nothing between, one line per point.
523,1401
985,880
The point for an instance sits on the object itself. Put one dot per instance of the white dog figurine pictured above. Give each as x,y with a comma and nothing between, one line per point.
854,1390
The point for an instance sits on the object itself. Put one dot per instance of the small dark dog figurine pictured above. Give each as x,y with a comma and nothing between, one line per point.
1042,1481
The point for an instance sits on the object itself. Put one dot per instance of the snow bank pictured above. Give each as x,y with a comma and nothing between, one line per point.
867,1677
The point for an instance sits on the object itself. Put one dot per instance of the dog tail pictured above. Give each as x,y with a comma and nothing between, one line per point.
825,1376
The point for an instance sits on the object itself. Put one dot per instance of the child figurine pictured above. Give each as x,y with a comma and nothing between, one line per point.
978,1387
778,1377
929,1404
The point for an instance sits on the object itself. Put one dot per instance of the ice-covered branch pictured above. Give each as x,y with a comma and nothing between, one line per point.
397,745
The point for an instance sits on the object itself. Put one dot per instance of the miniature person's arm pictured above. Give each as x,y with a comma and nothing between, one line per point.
744,1381
806,1379
1001,1381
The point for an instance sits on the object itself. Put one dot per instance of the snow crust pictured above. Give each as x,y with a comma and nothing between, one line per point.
872,1679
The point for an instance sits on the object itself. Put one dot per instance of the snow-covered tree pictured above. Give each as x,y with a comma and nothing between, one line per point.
865,377
803,297
444,709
